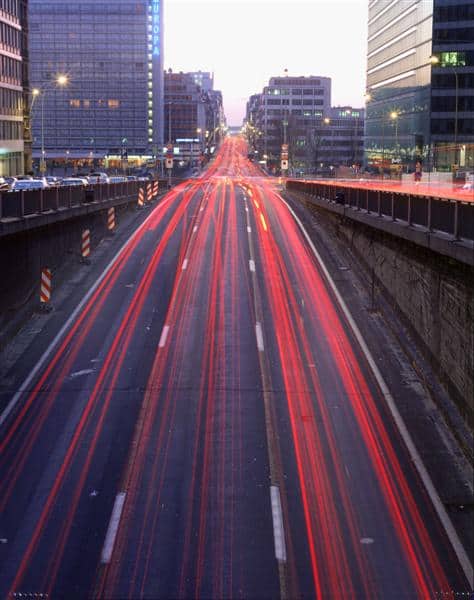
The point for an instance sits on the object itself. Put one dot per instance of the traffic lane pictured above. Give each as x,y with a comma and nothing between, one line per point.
315,338
67,416
198,504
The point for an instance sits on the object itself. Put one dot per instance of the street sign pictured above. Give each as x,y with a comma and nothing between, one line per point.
169,163
284,165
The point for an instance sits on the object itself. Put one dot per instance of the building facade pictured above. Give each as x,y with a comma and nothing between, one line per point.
420,75
452,85
14,98
297,111
112,55
194,115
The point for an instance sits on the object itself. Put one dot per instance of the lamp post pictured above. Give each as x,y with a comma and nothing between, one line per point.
394,117
435,62
199,131
61,81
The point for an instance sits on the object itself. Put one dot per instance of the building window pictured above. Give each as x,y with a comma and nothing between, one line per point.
113,103
75,103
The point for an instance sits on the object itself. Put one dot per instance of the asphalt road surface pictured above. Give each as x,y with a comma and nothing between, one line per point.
208,426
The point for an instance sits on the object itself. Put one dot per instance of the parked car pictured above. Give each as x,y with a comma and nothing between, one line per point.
98,177
132,178
52,181
4,185
77,181
29,184
117,179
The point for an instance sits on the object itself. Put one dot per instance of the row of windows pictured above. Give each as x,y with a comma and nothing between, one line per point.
294,102
459,34
98,8
448,103
10,70
448,80
294,92
11,7
11,130
459,12
10,38
447,126
11,102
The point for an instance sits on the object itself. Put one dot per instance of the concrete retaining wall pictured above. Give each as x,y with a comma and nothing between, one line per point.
433,293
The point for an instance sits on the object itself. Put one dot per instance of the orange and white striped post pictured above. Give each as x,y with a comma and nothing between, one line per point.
141,197
155,189
45,288
86,246
111,219
149,192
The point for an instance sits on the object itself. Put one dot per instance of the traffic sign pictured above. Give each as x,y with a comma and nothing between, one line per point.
284,165
169,163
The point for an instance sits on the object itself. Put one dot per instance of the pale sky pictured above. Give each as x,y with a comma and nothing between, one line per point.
245,42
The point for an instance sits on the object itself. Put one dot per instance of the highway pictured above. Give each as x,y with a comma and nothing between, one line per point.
208,425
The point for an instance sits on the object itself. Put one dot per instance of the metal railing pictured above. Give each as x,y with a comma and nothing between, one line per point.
452,217
27,203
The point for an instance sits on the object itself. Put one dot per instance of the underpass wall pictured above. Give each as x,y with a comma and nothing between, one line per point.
56,245
434,295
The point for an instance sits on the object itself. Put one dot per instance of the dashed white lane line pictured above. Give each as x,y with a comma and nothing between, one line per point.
252,265
249,230
185,264
195,228
259,334
113,528
278,531
246,209
164,336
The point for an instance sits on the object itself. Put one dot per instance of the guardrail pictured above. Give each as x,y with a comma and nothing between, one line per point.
452,217
27,203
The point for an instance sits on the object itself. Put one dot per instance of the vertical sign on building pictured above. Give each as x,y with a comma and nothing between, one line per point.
155,75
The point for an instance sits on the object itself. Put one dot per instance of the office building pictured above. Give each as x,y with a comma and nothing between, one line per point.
452,85
112,104
14,100
193,115
297,111
420,73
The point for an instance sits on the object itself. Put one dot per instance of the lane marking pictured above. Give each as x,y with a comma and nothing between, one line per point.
252,265
259,334
249,230
195,228
278,531
113,528
246,209
67,325
185,264
262,218
81,373
164,336
443,516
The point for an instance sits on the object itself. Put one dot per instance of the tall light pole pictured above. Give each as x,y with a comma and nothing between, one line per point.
394,117
61,81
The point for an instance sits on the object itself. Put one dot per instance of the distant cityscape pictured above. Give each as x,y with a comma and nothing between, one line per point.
82,85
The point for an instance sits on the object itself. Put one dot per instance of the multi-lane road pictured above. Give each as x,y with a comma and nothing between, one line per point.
208,424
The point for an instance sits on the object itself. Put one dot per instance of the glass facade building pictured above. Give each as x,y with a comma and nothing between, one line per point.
112,55
420,77
397,124
13,87
452,87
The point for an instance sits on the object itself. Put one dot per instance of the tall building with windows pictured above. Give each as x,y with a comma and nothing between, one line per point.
420,75
14,152
112,55
297,111
452,85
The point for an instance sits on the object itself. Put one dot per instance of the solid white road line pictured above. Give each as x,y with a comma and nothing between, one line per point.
278,531
113,528
415,457
259,334
249,230
164,336
185,264
39,365
252,265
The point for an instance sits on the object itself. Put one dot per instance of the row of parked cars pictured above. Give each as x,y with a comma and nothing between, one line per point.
13,184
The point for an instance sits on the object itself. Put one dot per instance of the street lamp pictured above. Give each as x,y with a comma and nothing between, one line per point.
394,117
61,81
